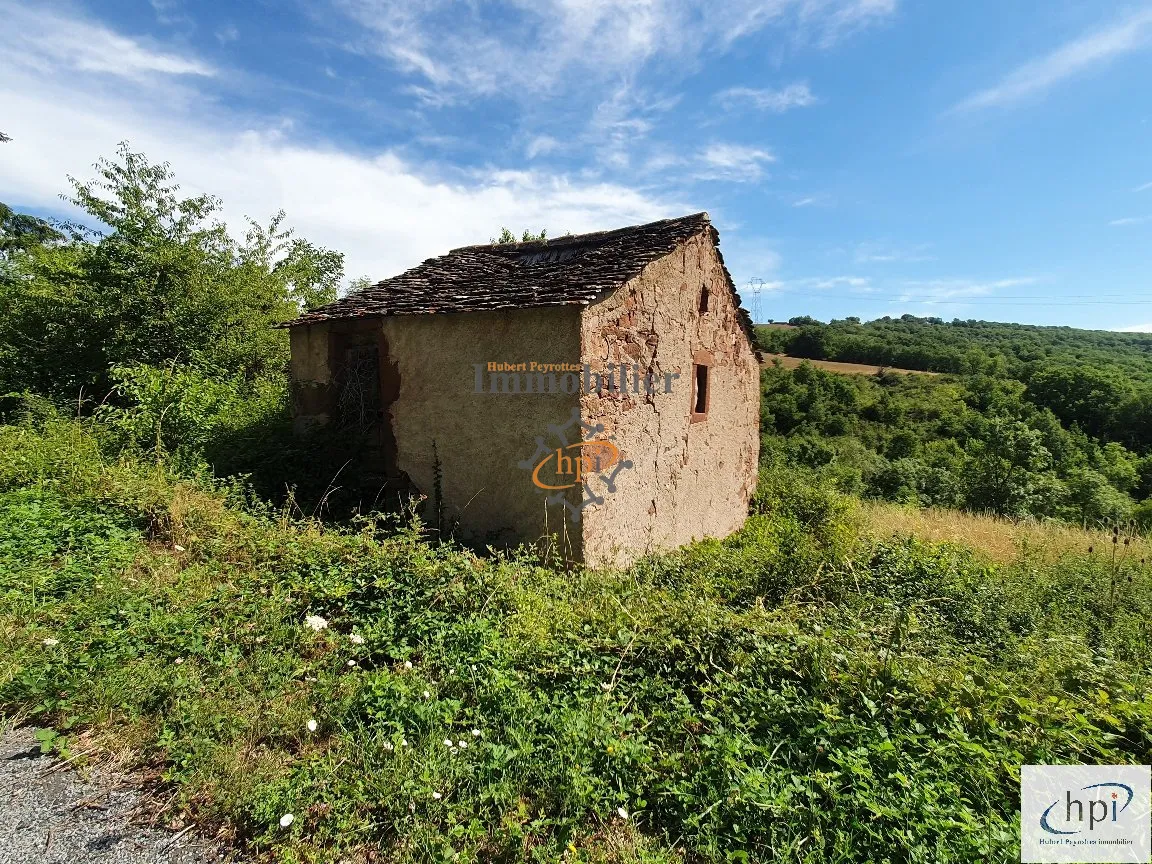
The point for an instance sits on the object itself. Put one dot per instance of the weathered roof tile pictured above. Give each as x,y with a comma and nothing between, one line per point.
572,270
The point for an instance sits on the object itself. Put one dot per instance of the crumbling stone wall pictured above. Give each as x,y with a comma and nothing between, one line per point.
690,478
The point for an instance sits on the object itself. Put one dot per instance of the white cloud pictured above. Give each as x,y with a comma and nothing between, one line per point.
1130,34
545,45
1129,220
386,213
48,42
951,289
777,101
1143,188
733,162
1136,328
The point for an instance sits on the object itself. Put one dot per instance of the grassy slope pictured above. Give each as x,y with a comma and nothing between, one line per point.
800,692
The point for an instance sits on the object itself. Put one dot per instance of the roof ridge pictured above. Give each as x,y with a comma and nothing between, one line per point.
577,239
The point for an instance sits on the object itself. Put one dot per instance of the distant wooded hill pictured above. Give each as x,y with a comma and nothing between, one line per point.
1024,420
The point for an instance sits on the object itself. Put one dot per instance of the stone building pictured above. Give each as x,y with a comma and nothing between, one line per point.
486,374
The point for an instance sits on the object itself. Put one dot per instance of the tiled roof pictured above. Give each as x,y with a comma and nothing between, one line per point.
572,270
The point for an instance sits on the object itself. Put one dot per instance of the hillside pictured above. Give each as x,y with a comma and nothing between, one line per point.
807,690
1044,422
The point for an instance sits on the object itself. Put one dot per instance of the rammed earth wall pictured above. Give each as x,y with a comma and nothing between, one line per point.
690,480
480,436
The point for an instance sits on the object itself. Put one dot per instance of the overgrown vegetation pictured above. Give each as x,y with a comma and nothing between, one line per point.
797,692
1046,422
811,689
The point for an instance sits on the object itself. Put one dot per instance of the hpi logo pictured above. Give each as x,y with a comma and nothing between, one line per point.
1085,813
570,464
1098,810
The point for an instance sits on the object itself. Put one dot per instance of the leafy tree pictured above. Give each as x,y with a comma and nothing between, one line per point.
507,236
162,281
1003,468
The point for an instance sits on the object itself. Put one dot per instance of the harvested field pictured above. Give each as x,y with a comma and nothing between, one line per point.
840,368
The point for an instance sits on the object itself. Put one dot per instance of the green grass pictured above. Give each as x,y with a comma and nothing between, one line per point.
799,692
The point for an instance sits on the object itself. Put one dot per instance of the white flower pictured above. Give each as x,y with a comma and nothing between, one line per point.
313,725
403,742
407,664
437,795
178,660
427,695
621,812
177,547
475,733
50,642
605,686
473,667
388,746
462,744
286,820
315,622
447,742
356,639
351,662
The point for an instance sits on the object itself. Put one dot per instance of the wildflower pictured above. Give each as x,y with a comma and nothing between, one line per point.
351,663
177,547
403,742
427,695
178,660
356,639
605,686
447,742
437,795
475,733
473,667
621,812
315,622
313,725
407,664
389,746
286,820
462,744
50,642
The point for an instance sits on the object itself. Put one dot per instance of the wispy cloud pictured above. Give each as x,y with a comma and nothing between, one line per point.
775,100
1143,188
874,253
541,145
227,34
525,49
47,41
952,289
385,211
1129,220
1130,34
737,162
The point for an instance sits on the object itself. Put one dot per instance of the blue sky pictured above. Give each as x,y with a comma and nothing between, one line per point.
970,159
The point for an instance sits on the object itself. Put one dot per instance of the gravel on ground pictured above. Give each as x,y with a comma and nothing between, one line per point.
50,815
